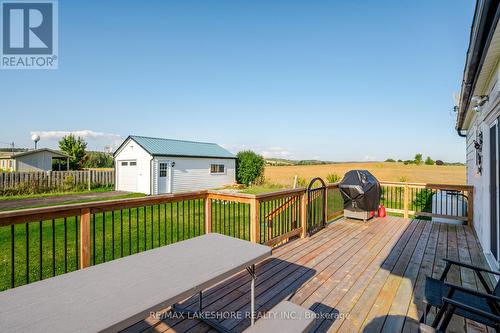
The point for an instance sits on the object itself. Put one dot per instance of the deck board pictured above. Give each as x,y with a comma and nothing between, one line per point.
359,277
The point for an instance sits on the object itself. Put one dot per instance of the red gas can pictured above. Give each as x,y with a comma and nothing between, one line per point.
381,211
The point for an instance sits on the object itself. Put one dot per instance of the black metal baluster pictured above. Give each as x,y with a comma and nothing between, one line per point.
65,246
183,220
165,223
76,242
198,215
113,235
27,234
189,218
104,237
40,248
53,247
129,231
12,241
137,229
159,224
171,222
93,240
239,220
144,211
121,233
177,220
152,226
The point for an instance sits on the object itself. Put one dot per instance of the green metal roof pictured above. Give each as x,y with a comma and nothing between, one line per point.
170,147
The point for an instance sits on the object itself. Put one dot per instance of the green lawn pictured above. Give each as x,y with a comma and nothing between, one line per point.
121,233
113,235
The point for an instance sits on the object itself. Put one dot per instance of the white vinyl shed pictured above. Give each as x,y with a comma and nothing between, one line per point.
157,166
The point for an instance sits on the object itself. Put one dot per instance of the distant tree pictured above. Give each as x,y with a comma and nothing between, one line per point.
429,161
400,161
75,148
249,167
390,160
95,159
418,158
439,162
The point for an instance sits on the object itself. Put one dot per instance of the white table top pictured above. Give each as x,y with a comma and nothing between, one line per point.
115,295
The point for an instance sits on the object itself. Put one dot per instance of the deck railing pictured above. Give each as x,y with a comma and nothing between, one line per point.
39,243
442,201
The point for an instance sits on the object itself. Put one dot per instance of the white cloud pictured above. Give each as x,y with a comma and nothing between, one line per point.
276,152
370,158
267,152
47,135
97,139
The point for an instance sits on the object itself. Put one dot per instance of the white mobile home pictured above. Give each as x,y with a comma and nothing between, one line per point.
158,166
478,113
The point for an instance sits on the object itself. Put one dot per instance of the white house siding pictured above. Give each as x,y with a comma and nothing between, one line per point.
481,181
40,161
191,174
132,151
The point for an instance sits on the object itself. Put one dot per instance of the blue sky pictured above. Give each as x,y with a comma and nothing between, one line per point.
332,80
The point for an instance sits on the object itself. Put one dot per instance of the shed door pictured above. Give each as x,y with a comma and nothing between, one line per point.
127,176
163,177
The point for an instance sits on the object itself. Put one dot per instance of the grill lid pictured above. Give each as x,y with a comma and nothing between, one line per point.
360,191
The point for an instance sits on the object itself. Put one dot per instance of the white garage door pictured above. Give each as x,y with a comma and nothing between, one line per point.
127,176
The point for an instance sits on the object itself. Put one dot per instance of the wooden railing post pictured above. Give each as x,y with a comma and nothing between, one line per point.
85,238
208,214
406,196
470,206
254,221
303,214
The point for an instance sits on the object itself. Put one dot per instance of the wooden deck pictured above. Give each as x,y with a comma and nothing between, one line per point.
356,277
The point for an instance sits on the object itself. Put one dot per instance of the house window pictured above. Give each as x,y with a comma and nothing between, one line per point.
124,163
163,169
133,163
217,168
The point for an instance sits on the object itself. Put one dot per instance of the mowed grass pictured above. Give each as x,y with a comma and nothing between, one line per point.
113,235
43,249
384,171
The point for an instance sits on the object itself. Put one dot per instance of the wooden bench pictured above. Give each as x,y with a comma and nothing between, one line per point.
284,317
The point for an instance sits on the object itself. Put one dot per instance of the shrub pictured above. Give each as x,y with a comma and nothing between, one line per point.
249,168
429,161
390,160
97,159
302,182
332,178
404,179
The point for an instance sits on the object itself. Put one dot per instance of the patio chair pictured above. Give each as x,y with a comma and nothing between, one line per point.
468,303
